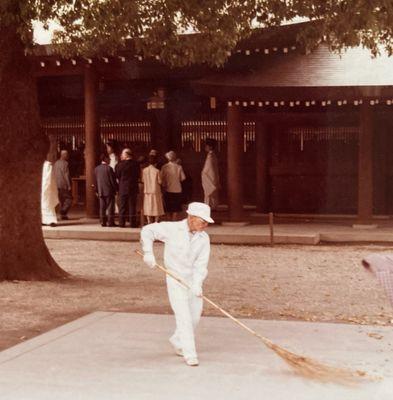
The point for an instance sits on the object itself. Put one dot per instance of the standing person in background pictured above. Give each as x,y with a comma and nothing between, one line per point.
106,187
49,195
112,153
143,163
210,175
127,173
160,162
172,175
152,199
63,182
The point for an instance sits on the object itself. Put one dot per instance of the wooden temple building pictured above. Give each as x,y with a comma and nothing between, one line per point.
297,132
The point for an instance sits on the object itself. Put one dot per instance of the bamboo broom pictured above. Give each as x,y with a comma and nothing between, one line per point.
303,366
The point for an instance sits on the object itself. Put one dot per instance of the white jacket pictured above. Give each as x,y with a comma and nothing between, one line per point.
185,253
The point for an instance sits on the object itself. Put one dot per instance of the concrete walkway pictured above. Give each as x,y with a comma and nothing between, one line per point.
308,233
120,356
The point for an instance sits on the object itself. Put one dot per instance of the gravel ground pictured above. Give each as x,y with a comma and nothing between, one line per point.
311,283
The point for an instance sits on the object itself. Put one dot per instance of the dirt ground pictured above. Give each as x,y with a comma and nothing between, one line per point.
311,283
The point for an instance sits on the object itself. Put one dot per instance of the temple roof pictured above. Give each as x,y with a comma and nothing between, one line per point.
355,67
275,73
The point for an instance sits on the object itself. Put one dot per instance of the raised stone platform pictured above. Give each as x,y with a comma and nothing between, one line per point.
289,233
116,356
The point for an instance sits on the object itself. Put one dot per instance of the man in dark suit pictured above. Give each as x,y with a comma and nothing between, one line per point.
106,187
127,173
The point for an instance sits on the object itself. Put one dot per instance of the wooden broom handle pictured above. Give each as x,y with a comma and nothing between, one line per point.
226,313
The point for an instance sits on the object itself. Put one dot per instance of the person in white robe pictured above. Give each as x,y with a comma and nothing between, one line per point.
210,176
49,195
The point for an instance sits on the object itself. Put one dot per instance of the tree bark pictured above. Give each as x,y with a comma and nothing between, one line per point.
23,147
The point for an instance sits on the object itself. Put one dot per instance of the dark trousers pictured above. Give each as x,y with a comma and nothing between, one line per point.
65,200
127,209
107,210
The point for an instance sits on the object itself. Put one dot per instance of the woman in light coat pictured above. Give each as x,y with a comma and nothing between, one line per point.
152,198
172,176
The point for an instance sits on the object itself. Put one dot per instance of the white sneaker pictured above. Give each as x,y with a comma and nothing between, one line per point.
192,361
177,349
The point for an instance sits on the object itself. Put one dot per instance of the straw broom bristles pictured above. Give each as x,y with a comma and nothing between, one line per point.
303,366
313,369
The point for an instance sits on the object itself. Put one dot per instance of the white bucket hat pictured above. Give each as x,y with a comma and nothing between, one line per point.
200,210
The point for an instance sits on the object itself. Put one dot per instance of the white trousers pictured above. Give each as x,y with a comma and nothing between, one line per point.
187,309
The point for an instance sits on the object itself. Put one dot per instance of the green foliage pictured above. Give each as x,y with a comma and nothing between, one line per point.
97,27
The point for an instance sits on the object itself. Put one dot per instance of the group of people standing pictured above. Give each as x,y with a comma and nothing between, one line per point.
156,184
117,178
149,186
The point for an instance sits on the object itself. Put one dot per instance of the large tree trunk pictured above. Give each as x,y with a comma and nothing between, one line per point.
23,147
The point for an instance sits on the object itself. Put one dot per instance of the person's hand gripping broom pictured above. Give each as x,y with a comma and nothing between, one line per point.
304,366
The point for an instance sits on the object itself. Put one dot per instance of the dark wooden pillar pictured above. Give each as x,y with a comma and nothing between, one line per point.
380,171
365,166
235,152
262,165
92,132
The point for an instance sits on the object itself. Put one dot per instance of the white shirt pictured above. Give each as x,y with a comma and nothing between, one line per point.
113,160
185,253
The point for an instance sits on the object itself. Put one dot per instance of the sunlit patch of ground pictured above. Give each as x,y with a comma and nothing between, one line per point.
311,283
